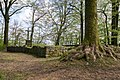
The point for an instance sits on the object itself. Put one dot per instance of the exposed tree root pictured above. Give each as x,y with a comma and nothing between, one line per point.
91,53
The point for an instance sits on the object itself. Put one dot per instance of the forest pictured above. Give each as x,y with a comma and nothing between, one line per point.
59,40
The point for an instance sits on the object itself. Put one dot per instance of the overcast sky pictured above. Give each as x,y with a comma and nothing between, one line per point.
24,15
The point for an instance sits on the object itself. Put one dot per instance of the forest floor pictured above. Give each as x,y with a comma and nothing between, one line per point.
19,66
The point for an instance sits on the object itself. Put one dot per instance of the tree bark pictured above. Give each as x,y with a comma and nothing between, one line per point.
108,40
33,25
31,36
91,32
115,16
58,39
106,31
6,19
81,14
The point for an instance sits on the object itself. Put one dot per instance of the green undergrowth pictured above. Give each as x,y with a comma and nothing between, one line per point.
2,47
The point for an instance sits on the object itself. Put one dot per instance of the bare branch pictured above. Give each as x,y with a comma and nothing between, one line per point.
40,17
11,3
6,2
52,18
64,13
1,9
75,7
18,10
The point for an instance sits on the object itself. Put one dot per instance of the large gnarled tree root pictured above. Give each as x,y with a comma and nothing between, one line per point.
91,53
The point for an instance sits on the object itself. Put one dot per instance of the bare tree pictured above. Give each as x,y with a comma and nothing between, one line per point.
61,20
5,6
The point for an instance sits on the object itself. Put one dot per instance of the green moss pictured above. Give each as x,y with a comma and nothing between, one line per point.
91,32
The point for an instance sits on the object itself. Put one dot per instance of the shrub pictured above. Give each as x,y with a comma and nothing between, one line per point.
2,47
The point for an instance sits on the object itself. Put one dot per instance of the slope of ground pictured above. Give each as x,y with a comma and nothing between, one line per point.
19,66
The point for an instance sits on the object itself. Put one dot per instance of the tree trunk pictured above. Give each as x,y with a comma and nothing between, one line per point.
31,36
91,49
108,40
17,39
33,25
106,31
6,30
28,33
91,32
58,39
115,16
81,14
32,31
15,43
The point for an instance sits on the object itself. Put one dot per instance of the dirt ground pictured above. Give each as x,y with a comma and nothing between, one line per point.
19,66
